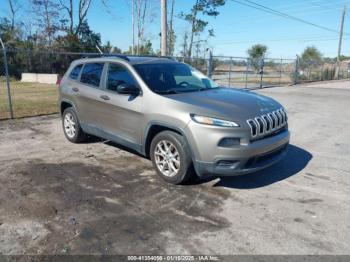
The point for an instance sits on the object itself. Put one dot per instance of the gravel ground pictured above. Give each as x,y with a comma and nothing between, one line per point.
98,198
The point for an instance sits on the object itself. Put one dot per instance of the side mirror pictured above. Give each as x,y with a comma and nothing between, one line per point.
128,89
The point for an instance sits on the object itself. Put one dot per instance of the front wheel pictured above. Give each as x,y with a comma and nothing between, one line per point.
171,157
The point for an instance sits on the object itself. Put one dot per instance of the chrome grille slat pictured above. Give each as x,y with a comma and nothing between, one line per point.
273,120
279,118
284,116
261,125
268,123
253,127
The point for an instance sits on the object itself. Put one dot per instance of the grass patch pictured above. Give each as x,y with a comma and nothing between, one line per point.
28,99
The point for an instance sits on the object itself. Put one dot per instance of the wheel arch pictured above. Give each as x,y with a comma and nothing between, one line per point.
155,128
64,104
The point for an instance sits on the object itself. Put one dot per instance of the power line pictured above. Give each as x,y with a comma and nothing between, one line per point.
303,8
266,9
278,40
292,17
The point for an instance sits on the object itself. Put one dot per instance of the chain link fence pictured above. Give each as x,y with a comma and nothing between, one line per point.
244,72
5,95
33,78
33,94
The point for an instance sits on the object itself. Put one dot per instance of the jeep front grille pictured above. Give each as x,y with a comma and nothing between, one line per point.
267,124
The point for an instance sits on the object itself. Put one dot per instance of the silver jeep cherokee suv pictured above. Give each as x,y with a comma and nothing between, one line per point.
173,114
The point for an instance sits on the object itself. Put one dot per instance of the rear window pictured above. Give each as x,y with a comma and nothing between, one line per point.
74,74
92,74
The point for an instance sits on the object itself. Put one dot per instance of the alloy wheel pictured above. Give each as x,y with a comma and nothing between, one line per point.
69,125
167,158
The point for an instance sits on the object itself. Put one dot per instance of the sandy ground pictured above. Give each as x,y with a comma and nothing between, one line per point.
97,198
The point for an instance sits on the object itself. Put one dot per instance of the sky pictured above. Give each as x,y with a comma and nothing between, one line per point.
237,27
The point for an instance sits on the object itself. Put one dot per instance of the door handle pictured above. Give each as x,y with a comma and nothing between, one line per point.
75,89
104,97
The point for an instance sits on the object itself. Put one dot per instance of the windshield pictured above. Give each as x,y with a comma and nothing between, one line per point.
173,78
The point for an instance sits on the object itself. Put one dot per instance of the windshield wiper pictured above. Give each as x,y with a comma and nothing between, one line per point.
206,88
168,92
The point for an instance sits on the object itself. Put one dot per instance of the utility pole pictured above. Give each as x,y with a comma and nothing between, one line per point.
163,10
340,43
133,26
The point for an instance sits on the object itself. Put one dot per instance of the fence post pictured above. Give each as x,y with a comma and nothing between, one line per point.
279,82
210,64
7,79
229,73
296,70
246,74
261,72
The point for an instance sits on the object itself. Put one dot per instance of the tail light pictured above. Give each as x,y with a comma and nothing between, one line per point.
59,80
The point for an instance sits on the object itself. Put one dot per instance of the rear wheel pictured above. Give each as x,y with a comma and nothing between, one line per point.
171,157
71,126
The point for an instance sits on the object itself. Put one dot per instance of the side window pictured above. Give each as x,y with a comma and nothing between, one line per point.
117,75
92,74
74,74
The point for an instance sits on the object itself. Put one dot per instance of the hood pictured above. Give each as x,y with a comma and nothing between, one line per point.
228,103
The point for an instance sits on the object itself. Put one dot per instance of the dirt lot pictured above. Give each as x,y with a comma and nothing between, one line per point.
97,198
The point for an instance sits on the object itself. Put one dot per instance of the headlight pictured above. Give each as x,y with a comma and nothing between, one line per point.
213,121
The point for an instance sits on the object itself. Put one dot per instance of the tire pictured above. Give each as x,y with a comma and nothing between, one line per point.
71,126
174,167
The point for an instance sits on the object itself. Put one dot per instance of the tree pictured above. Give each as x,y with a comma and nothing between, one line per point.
109,49
311,53
14,6
83,8
141,14
85,41
171,32
256,54
144,49
204,8
47,19
310,58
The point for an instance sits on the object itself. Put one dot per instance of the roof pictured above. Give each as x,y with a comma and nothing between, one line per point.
135,60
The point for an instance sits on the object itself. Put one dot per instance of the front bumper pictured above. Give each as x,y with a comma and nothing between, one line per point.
248,157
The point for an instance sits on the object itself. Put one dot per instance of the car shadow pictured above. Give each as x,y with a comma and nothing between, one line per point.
295,160
94,139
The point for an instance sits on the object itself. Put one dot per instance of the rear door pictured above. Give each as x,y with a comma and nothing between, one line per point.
121,114
87,93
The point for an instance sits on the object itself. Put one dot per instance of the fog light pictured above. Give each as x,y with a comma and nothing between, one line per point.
227,163
229,142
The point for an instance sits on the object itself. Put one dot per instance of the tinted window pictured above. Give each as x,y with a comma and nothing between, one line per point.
117,75
92,74
173,78
74,74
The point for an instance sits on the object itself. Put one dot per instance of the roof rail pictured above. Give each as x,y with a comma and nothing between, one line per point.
155,56
126,57
117,55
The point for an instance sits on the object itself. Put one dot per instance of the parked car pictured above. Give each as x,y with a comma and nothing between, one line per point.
173,114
